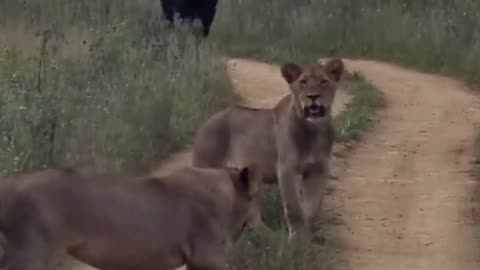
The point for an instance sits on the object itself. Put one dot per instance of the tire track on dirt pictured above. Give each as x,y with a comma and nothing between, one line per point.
406,191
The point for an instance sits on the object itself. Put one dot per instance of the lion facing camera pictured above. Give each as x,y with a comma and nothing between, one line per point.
290,143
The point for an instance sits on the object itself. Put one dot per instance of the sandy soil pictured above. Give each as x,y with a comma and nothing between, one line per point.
406,189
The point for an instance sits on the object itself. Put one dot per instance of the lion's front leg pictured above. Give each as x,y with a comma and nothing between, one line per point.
255,212
314,186
289,181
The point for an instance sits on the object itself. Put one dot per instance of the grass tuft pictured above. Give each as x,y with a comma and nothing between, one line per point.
271,250
359,113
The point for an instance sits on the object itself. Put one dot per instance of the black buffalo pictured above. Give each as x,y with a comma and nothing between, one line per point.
189,10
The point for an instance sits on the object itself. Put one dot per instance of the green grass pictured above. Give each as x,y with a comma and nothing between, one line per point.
353,121
271,250
440,36
109,96
436,35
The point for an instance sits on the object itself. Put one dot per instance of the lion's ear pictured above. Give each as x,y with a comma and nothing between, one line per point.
291,72
334,69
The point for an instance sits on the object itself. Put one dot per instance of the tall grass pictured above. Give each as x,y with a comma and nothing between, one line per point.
440,36
352,122
437,35
112,90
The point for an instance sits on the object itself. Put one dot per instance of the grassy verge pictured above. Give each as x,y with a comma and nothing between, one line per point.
271,250
353,121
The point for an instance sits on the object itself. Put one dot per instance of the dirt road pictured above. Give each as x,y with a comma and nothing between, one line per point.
406,191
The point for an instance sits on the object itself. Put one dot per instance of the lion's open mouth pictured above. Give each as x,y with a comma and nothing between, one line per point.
315,111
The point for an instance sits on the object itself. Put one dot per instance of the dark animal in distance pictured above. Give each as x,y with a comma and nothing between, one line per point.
189,10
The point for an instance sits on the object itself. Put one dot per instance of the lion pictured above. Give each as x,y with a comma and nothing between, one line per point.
290,144
121,223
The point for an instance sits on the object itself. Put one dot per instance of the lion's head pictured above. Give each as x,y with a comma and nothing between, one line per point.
313,88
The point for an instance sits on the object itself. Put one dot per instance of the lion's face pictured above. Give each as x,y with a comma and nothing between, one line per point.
314,88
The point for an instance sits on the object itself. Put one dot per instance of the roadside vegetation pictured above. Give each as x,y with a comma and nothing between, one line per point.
105,87
433,35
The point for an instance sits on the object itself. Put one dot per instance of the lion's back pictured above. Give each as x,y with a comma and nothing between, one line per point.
231,132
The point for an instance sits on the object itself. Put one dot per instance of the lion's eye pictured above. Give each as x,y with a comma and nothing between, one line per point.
303,82
323,82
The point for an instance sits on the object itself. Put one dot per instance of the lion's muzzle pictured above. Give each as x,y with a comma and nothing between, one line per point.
313,109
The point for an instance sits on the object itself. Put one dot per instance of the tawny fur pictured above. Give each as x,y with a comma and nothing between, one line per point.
290,144
122,223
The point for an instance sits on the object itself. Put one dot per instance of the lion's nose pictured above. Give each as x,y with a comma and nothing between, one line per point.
313,97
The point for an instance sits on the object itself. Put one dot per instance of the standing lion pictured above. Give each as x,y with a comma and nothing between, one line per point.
290,143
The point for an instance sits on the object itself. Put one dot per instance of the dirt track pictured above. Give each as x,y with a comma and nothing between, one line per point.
405,189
